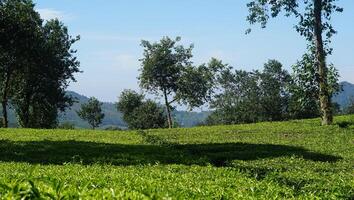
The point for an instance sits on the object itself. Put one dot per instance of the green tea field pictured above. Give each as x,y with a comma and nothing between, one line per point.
281,160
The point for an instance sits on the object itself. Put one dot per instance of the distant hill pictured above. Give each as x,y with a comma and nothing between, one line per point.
183,118
114,118
343,98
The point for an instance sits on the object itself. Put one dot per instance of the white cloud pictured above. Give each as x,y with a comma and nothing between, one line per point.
48,13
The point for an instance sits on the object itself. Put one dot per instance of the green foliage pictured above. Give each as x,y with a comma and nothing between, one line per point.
304,88
315,25
248,97
20,41
92,112
37,63
275,96
128,101
162,64
167,71
138,113
278,160
261,11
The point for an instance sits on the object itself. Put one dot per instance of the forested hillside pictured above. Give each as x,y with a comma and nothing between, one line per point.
344,97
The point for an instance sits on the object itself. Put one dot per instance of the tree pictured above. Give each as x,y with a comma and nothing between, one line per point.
304,89
128,101
248,97
239,99
138,113
274,86
148,116
91,112
314,22
36,65
19,39
42,83
167,71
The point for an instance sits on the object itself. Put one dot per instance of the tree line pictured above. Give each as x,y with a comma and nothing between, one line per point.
234,96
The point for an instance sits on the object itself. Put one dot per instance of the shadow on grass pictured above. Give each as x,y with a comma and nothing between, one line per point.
61,152
344,124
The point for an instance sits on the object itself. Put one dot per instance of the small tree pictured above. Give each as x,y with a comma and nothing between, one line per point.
91,112
140,114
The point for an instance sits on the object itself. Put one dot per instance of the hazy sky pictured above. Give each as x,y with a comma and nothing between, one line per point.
111,31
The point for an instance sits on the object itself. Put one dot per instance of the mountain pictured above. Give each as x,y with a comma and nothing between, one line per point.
343,98
114,118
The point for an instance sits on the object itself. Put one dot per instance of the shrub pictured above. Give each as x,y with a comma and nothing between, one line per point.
67,126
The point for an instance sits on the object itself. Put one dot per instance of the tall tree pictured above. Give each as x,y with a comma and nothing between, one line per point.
274,83
37,63
92,112
19,40
314,24
167,71
41,92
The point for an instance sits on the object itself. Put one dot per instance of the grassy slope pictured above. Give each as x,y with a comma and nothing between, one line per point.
297,159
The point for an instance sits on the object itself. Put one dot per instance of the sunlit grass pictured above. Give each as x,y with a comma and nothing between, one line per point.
281,160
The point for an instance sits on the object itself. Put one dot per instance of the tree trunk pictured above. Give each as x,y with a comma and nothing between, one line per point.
169,118
325,100
4,101
23,111
4,113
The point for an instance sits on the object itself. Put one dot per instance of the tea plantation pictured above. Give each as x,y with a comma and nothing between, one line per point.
281,160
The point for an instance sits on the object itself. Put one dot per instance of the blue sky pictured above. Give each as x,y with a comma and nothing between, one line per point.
111,31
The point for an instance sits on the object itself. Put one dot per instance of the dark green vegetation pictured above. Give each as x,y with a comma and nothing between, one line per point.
282,160
37,63
139,113
270,94
91,112
112,118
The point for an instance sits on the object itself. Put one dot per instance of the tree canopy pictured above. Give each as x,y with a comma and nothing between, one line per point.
167,70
